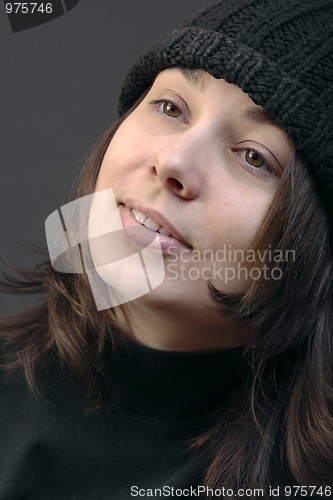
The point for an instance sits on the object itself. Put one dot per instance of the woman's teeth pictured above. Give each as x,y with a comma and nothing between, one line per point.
149,223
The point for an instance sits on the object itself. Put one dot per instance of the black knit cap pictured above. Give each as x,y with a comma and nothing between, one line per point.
279,52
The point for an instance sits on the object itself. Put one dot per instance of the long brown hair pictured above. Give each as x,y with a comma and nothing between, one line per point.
281,418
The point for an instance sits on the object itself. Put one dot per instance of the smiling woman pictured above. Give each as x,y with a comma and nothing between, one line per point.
217,380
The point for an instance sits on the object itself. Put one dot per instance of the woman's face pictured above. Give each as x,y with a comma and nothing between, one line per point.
200,159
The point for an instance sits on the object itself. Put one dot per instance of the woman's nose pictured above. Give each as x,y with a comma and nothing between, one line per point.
179,165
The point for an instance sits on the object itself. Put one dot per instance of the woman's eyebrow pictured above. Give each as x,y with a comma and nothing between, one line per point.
259,115
195,77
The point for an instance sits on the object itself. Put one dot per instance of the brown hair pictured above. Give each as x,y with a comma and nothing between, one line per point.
283,411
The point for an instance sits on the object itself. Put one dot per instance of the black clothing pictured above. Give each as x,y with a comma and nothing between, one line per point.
52,449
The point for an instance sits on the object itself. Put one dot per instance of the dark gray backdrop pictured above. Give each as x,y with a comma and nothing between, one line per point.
58,91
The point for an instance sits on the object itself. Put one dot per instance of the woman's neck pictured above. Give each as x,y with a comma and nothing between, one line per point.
177,330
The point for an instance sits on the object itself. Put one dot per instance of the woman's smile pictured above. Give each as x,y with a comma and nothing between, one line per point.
153,227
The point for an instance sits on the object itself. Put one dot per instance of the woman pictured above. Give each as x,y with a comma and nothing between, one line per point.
218,382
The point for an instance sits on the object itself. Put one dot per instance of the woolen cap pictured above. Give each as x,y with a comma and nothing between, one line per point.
279,52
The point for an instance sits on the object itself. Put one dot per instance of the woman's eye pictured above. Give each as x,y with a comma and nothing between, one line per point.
167,108
254,158
264,165
170,109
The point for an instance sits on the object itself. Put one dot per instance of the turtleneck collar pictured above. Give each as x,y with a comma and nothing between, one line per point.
173,386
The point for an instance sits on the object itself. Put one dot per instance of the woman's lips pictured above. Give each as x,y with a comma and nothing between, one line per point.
143,236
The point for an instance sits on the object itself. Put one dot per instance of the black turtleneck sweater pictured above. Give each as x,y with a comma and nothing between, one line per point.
52,449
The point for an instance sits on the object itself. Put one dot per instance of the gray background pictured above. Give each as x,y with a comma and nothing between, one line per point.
58,92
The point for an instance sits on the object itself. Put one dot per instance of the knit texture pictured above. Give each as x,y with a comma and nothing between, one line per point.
279,52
